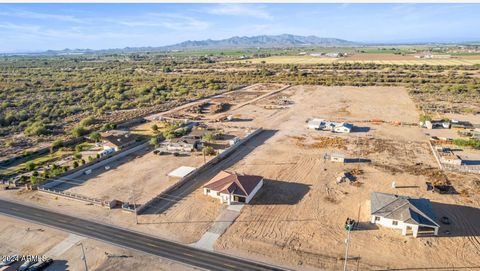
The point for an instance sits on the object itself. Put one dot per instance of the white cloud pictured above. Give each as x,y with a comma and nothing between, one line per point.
240,10
167,20
41,16
19,27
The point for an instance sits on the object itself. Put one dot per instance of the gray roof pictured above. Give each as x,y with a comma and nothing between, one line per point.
403,208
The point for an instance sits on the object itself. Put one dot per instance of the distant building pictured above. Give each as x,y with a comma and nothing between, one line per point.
106,152
462,124
343,127
435,124
315,124
233,187
404,213
447,156
334,55
320,124
432,56
117,139
337,157
186,144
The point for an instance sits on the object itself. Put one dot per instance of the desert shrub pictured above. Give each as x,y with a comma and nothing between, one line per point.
208,150
95,136
87,121
37,128
79,131
474,143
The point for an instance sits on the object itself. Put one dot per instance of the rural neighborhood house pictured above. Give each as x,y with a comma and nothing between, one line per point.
411,215
232,187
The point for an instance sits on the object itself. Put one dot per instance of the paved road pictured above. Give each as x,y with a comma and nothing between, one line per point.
133,240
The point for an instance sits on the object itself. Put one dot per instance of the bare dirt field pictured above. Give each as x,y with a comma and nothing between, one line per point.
380,57
18,237
140,175
232,100
298,216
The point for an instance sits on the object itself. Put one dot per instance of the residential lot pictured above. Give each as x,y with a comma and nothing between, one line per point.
297,218
139,176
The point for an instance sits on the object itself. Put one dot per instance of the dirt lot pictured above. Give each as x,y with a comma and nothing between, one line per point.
18,237
298,216
232,100
140,175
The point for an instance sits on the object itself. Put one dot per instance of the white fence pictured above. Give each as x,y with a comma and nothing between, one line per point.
103,203
97,164
462,168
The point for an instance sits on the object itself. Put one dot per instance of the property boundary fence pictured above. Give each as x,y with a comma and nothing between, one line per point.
103,203
463,168
199,170
449,167
91,166
440,165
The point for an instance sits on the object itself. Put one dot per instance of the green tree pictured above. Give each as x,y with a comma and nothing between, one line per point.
37,128
95,136
209,150
78,148
208,137
87,121
55,145
30,166
79,131
154,141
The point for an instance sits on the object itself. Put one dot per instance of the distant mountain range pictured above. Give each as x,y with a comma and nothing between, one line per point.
263,41
285,40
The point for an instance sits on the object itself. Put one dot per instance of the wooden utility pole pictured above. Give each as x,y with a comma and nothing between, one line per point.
134,206
83,256
347,242
204,158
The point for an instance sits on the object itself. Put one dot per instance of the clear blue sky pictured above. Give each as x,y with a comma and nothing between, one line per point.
33,27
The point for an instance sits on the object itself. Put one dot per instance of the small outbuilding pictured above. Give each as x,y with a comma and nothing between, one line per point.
343,127
408,214
447,156
337,157
315,124
233,187
180,172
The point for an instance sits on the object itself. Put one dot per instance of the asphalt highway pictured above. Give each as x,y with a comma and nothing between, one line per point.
132,240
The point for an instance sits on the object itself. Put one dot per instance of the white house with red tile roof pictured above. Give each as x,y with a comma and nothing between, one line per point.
233,187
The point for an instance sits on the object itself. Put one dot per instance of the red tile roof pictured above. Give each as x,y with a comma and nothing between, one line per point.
233,183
